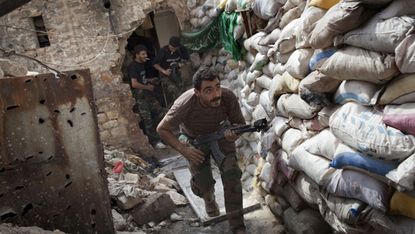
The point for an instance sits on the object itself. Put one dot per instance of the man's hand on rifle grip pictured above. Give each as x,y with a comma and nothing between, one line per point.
230,135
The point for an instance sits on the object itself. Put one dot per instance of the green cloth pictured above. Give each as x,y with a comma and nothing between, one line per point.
220,29
228,22
206,38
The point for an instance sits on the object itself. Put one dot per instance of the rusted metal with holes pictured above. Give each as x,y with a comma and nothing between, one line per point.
51,160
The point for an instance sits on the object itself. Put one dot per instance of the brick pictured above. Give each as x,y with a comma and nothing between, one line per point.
127,202
11,68
110,124
119,131
157,207
105,135
113,115
102,118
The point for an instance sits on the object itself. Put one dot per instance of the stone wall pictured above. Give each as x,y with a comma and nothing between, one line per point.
85,34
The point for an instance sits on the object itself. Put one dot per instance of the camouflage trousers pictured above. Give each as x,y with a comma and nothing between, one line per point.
151,113
203,184
173,88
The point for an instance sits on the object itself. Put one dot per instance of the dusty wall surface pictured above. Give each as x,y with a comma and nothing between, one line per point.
85,34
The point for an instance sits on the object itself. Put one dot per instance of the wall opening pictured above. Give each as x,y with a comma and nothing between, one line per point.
41,33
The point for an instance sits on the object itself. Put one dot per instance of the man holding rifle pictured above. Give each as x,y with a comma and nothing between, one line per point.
143,89
200,111
168,62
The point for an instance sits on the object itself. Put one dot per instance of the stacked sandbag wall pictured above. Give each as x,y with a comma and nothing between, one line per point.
336,81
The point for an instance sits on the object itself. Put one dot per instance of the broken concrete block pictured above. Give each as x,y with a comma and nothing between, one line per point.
127,202
175,217
307,221
156,208
177,198
131,178
120,224
11,68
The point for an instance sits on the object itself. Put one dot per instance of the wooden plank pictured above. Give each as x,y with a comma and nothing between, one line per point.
183,178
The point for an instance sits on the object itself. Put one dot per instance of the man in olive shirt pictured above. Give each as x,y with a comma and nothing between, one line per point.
201,111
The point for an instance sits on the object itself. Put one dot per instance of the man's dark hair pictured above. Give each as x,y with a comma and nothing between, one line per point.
205,73
139,48
174,41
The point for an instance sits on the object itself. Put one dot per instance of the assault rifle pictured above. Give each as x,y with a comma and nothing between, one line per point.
213,138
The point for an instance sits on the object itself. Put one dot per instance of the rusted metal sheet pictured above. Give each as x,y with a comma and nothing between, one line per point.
51,159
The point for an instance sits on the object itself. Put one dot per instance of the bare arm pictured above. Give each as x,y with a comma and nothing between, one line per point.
137,85
164,71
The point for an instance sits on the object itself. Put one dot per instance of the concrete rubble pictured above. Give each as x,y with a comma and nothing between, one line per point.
142,200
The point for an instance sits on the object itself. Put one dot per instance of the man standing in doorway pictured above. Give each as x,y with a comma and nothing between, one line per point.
148,107
168,62
201,111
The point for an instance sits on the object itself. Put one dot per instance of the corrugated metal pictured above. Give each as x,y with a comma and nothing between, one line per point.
51,159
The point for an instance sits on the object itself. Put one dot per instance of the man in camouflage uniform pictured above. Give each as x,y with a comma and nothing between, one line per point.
147,105
200,111
168,62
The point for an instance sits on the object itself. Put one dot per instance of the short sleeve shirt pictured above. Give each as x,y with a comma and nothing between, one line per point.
194,119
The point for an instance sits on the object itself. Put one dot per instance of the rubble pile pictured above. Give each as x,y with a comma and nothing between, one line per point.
141,200
335,80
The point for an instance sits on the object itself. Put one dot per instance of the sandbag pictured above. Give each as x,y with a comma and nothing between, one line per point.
259,113
286,42
282,84
402,204
372,3
259,62
249,43
279,69
339,19
265,9
390,224
297,64
263,82
307,189
404,175
407,98
251,76
292,105
381,35
362,129
316,167
319,57
405,55
291,139
351,63
324,4
280,125
347,210
401,85
308,21
323,144
282,58
401,117
361,92
319,83
265,102
270,38
324,114
292,14
253,99
268,69
353,184
397,8
350,159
